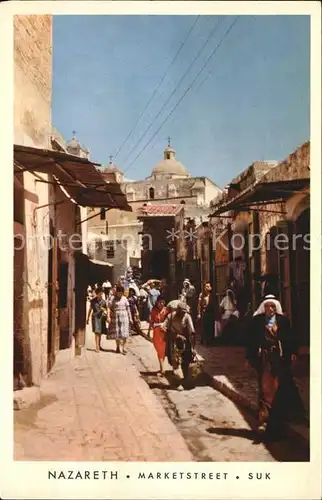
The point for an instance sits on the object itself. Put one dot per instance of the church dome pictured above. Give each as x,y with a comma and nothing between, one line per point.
169,166
172,167
112,168
74,147
73,143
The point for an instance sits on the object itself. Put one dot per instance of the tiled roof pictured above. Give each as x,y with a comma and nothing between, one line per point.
160,210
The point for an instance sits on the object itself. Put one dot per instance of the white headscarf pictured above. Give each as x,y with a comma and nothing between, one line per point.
269,299
231,291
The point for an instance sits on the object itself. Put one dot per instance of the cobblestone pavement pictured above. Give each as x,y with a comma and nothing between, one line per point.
226,364
109,407
97,407
214,428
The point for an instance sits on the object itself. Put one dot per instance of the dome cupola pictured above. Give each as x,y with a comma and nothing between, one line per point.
169,167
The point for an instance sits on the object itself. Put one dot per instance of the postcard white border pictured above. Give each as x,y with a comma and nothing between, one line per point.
29,479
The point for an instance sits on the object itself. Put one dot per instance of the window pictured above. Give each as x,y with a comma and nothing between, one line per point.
130,195
151,193
110,251
103,214
168,156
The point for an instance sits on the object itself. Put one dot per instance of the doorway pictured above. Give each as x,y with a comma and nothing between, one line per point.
160,264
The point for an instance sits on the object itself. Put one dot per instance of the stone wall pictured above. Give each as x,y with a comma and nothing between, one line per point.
32,79
295,166
32,127
163,188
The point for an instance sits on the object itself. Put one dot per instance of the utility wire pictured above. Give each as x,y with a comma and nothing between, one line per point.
158,86
175,88
186,92
206,78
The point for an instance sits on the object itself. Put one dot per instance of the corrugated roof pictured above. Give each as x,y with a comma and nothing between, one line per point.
79,177
262,192
278,181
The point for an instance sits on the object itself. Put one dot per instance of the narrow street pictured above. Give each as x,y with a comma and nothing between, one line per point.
161,182
109,407
213,427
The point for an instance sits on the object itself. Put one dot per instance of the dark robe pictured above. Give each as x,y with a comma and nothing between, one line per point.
270,355
207,313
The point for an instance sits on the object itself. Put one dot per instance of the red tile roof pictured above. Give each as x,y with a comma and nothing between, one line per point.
160,210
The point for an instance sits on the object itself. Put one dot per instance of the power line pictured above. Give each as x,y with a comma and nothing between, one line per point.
175,88
206,78
158,86
186,92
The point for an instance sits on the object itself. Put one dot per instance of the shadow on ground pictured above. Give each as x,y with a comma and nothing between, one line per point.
284,450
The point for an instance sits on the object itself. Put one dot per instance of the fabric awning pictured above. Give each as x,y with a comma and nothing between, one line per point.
78,176
261,193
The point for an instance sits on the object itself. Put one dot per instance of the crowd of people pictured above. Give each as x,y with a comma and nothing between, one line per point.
117,311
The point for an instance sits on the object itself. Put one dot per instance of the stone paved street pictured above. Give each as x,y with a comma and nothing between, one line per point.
97,408
215,429
109,407
226,365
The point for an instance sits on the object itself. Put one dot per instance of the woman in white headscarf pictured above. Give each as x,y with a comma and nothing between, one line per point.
228,308
271,349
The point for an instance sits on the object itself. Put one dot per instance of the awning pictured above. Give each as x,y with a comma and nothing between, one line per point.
78,176
262,193
101,263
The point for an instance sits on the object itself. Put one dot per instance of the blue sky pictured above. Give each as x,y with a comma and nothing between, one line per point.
253,106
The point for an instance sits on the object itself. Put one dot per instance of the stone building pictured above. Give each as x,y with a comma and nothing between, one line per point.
163,245
32,127
269,211
52,189
230,230
169,183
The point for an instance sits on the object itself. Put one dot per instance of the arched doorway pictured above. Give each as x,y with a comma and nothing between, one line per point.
301,319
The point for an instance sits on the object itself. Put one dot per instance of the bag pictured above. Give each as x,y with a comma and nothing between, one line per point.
195,368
